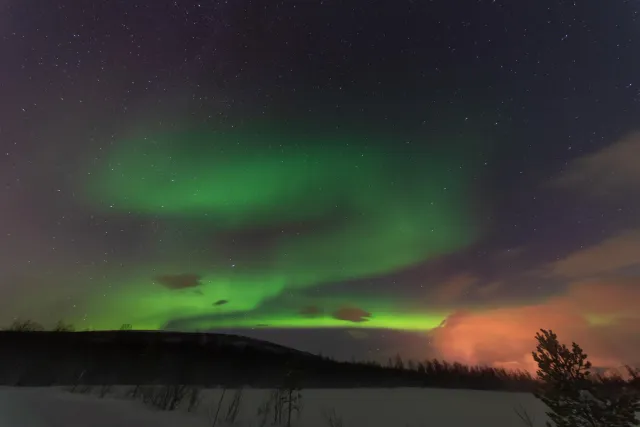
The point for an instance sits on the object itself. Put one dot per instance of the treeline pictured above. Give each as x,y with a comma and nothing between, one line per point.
35,357
32,356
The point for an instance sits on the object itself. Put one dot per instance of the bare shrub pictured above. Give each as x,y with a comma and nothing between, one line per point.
105,389
234,407
194,398
165,397
134,392
85,389
331,418
526,418
62,326
215,416
25,326
293,403
264,411
281,404
292,395
147,394
277,400
276,408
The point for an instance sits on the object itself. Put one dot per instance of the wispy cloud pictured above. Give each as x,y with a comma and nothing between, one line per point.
606,257
452,290
605,172
490,288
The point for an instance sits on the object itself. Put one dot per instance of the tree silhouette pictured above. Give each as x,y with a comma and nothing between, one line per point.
25,326
573,397
61,326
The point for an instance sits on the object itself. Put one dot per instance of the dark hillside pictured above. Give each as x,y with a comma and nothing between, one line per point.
136,357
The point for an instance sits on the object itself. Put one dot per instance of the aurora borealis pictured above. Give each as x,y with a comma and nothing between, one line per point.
415,178
315,198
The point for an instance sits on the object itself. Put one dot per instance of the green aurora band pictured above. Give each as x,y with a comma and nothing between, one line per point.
365,208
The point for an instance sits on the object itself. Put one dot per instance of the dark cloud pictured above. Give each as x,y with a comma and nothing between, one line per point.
221,302
352,314
179,281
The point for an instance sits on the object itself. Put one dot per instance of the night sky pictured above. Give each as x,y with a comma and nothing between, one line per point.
359,178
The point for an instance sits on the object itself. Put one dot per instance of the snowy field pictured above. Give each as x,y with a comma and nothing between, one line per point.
54,407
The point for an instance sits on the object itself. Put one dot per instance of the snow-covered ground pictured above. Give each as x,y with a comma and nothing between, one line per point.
51,407
54,407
